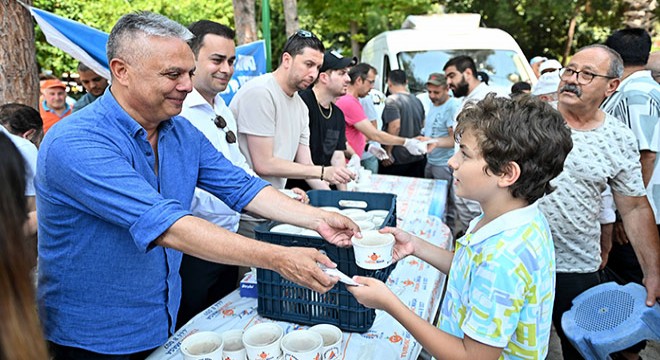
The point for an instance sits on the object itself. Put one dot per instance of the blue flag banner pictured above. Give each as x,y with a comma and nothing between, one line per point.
82,42
87,45
250,63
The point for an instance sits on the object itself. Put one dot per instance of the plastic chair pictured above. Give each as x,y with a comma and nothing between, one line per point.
609,318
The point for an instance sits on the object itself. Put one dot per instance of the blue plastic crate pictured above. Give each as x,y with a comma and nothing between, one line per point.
284,300
373,201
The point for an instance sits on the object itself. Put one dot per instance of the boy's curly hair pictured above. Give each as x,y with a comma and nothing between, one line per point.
524,130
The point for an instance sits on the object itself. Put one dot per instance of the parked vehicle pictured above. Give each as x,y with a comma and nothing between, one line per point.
425,43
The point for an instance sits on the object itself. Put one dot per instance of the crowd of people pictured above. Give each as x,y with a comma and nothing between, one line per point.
145,194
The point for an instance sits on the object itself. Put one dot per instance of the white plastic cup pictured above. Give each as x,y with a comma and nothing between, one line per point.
203,345
364,176
262,341
286,229
379,213
351,211
374,250
302,345
332,340
365,225
378,221
356,214
234,348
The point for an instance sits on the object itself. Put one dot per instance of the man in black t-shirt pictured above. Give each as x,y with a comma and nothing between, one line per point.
327,140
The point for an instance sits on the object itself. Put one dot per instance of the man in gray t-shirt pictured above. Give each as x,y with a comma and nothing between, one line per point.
273,122
403,116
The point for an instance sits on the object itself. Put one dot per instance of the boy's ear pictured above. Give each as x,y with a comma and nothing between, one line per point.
510,174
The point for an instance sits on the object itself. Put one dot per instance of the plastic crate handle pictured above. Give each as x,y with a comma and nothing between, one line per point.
353,204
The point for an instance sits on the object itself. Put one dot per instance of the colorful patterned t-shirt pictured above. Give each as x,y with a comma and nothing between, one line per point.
501,285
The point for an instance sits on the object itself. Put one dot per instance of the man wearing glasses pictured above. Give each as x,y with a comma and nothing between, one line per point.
273,122
604,152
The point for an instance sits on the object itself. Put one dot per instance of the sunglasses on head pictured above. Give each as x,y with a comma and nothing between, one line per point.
221,123
304,34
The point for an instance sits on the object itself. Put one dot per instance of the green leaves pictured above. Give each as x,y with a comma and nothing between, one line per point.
104,14
539,26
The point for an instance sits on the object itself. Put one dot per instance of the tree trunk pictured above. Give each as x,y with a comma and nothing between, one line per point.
569,38
19,75
290,16
355,47
246,23
640,14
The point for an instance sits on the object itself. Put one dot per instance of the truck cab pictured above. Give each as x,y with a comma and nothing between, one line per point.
426,43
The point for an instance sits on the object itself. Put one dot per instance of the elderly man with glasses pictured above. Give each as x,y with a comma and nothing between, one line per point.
604,152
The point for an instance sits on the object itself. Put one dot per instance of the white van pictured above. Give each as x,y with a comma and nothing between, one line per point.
427,42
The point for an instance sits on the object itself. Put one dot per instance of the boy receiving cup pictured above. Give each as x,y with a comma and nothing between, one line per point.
500,290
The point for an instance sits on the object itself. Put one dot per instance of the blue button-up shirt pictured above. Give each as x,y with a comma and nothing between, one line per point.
103,284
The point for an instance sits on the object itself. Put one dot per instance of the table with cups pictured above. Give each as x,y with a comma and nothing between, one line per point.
232,329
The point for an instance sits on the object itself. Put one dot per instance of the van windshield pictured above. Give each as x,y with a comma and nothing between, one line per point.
504,67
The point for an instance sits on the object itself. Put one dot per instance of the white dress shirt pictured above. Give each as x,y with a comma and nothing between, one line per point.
200,113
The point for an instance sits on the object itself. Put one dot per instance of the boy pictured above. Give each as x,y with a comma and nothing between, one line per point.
500,289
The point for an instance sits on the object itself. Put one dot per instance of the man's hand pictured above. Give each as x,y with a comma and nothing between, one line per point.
620,236
337,229
652,285
302,195
388,162
404,245
338,175
299,265
605,244
376,150
374,294
415,147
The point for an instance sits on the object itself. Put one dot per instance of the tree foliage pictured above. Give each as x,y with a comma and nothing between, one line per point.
331,20
539,26
104,14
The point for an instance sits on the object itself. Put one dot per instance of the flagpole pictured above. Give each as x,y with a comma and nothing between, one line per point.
265,29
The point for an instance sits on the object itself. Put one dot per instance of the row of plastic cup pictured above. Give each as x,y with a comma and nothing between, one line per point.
265,341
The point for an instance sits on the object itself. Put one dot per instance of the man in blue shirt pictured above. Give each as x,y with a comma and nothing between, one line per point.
439,125
93,83
114,185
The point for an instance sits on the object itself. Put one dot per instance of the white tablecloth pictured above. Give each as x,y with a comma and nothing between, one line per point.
420,206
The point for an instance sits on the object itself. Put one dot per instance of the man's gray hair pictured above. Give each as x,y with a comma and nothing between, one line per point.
130,27
616,63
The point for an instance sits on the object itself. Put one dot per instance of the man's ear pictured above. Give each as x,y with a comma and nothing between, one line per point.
469,72
510,174
28,134
324,77
287,59
612,85
119,70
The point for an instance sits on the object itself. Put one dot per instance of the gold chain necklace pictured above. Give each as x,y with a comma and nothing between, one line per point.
321,110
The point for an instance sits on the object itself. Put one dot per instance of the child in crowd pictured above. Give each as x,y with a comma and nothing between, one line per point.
501,287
